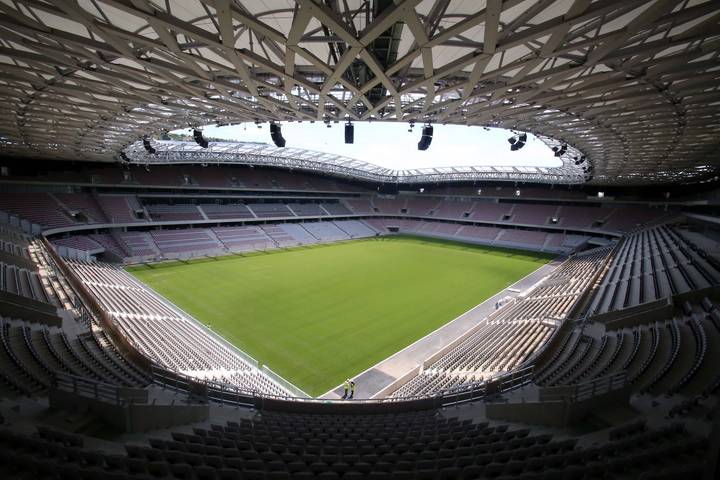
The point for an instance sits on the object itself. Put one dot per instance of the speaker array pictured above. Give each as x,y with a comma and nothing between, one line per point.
426,139
276,135
517,141
199,139
148,147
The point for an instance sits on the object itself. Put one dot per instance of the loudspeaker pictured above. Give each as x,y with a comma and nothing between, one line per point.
199,139
148,147
426,139
560,151
349,133
518,142
276,135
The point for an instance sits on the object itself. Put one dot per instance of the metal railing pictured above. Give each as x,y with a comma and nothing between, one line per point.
587,390
103,392
209,390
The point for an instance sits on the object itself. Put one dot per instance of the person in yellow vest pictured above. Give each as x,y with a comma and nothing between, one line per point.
347,387
352,389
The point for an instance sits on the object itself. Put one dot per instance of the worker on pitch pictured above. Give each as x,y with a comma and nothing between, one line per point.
349,385
346,386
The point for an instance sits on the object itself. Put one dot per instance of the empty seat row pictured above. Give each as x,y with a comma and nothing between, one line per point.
664,356
512,334
166,335
650,264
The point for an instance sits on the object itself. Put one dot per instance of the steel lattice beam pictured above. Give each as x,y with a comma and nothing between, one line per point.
633,84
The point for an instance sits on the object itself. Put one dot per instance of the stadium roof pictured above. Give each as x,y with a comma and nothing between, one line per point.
632,84
176,152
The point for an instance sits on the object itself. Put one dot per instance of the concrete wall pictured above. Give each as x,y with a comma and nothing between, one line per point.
555,413
17,306
638,315
552,414
130,418
142,418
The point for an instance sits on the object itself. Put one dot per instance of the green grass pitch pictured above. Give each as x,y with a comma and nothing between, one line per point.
319,314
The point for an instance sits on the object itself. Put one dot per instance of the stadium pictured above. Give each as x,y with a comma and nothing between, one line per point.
222,258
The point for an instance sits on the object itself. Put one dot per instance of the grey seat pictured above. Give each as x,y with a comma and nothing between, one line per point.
136,466
253,474
205,472
278,475
229,474
182,471
328,475
158,469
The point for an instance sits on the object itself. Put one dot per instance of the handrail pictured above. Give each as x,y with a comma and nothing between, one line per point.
94,308
581,309
261,220
104,392
586,390
231,394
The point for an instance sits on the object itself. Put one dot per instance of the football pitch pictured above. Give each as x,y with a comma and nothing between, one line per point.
319,314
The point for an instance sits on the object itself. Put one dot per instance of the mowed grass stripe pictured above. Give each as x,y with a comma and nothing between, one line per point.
320,314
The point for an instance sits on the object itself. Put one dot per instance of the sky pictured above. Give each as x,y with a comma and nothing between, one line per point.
390,145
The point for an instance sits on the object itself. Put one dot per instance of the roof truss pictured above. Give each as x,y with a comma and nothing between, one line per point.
633,84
